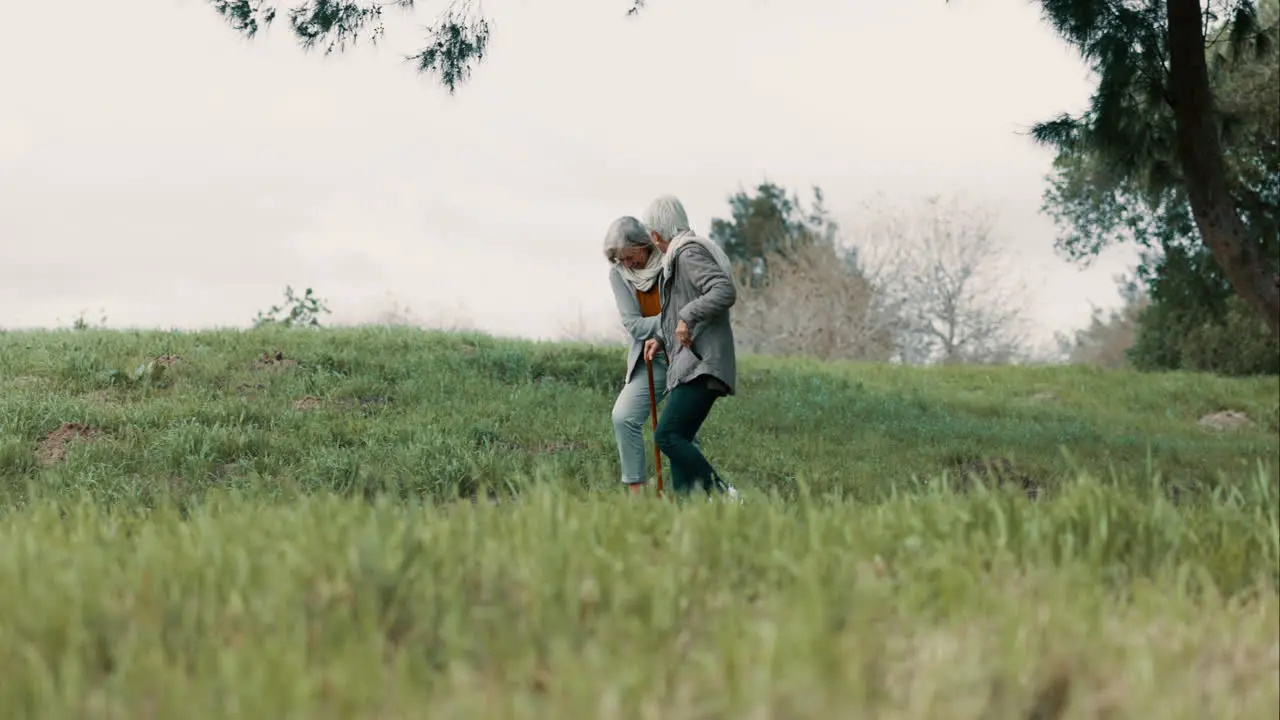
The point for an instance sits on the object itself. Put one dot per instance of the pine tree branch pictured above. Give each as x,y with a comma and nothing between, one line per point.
456,41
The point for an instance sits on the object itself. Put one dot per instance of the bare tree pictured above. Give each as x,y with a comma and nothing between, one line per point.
956,293
813,303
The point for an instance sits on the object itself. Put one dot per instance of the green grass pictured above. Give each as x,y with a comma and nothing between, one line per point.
217,552
443,412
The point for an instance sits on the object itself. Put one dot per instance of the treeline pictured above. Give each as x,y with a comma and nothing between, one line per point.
1118,179
934,284
916,285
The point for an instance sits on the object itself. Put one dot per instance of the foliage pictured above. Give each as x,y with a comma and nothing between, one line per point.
1097,201
301,311
1119,174
456,41
1127,132
771,225
1101,196
1235,343
1239,345
1191,304
1152,335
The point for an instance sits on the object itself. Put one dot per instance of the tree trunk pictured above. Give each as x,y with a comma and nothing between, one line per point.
1200,152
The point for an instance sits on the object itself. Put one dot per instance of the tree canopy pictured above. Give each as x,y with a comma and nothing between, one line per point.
1100,198
771,224
1177,150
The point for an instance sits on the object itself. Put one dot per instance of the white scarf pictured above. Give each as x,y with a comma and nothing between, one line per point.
644,278
685,236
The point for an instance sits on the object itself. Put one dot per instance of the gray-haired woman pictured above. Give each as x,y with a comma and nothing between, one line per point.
635,273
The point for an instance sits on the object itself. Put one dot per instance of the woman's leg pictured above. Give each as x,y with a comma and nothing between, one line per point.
630,415
686,409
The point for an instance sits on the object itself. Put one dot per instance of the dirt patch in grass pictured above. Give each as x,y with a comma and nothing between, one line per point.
1225,420
306,403
168,360
53,448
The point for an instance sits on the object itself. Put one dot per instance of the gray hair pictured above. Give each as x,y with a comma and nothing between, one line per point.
666,217
625,232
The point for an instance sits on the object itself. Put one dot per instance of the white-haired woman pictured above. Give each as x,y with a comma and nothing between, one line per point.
697,292
635,274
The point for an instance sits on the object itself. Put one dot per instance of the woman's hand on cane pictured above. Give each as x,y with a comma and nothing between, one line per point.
651,348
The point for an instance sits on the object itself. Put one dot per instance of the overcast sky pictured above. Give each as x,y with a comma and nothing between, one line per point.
156,166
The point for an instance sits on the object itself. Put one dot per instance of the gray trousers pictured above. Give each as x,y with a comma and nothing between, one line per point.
631,415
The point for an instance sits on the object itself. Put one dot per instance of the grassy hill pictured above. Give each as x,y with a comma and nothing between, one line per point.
260,524
426,414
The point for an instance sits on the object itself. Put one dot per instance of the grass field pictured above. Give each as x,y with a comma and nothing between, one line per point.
191,528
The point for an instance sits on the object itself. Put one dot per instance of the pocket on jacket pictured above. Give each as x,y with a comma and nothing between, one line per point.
683,358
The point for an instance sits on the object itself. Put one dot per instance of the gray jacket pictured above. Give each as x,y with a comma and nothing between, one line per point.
698,291
639,328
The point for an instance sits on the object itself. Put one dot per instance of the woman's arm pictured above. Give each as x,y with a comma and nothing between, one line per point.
716,288
637,326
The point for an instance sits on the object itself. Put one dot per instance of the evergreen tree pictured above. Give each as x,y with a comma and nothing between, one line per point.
1099,202
771,224
1156,156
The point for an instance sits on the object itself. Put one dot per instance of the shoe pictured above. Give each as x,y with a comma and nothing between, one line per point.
729,492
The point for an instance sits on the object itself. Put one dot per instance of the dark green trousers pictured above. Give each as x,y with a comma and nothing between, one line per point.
687,406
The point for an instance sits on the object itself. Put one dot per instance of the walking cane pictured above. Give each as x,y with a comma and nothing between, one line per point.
653,413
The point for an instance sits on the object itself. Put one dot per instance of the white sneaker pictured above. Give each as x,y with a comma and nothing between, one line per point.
733,495
730,492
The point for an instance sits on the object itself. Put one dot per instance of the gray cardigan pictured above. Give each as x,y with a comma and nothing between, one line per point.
698,291
639,328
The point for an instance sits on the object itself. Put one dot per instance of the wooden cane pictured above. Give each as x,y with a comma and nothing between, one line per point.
653,413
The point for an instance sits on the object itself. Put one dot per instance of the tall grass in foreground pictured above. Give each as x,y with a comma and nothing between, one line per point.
925,606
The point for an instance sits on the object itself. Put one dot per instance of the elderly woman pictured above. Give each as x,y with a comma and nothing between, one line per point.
635,272
696,334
